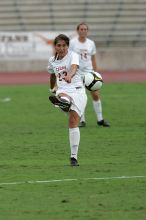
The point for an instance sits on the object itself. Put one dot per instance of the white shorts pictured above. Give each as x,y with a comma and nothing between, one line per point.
79,99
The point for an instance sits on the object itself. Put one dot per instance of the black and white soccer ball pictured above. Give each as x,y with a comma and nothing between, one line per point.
93,81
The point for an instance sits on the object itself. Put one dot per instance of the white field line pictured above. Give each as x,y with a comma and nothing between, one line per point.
70,180
6,99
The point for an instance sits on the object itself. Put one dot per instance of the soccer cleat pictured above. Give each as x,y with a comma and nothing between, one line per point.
60,102
73,162
82,124
103,123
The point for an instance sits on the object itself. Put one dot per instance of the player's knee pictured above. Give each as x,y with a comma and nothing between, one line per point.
73,119
95,96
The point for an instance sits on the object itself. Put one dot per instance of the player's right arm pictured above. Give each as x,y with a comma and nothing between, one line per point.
52,81
52,78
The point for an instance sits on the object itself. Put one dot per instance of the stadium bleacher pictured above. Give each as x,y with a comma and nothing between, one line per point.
111,22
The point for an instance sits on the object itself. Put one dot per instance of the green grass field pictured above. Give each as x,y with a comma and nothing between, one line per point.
34,147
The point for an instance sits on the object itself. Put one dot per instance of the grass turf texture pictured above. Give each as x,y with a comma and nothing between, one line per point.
34,146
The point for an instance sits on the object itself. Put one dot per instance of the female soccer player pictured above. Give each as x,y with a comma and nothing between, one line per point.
70,95
87,51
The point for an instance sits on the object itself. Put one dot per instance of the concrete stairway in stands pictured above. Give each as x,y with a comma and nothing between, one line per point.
111,23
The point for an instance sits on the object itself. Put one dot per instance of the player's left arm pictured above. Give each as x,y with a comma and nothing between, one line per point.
94,62
71,73
73,67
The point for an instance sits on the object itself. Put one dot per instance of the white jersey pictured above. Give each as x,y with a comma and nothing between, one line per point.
61,67
85,51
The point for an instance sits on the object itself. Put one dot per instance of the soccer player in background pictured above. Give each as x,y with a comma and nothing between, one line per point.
70,94
86,49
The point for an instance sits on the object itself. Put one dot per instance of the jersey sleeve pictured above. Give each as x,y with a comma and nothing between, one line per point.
75,58
50,67
71,45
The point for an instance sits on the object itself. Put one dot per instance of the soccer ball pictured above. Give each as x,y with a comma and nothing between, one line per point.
93,81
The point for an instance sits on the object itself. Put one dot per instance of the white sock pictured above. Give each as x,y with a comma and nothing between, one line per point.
98,109
82,118
74,138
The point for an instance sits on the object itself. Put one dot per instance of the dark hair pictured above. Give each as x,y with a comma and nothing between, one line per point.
61,37
83,23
